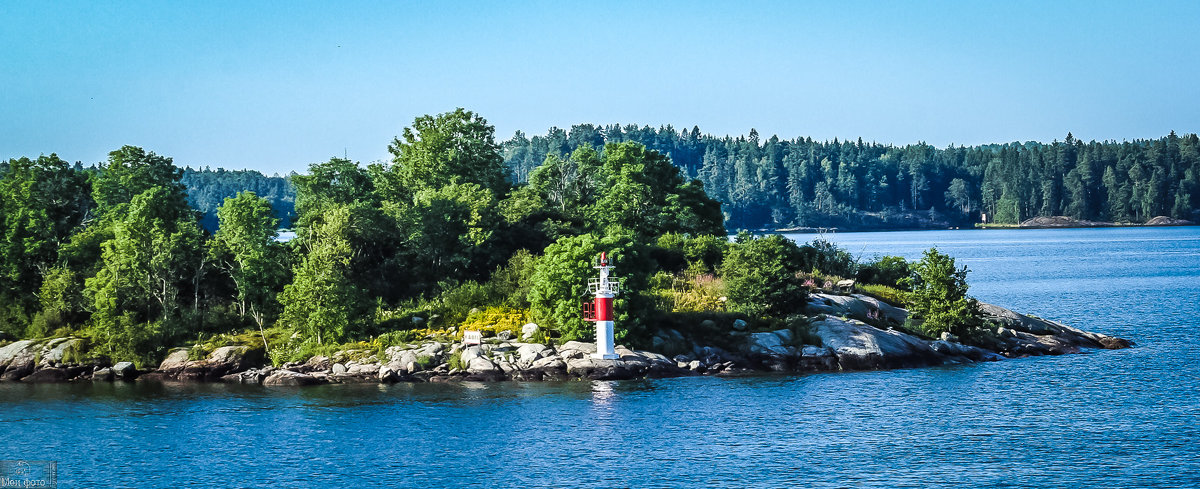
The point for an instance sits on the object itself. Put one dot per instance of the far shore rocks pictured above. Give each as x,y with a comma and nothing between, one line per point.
1049,222
843,332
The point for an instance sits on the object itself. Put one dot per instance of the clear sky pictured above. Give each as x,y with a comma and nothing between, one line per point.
275,86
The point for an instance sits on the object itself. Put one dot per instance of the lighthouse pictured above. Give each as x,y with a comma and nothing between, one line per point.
600,310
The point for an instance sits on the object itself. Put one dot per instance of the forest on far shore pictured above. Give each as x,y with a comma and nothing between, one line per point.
777,183
853,185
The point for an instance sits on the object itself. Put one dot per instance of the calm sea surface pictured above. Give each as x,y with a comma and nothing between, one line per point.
1127,418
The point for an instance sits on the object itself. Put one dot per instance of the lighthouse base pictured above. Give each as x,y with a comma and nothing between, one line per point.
605,356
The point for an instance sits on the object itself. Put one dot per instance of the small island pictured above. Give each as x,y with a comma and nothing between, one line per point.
436,266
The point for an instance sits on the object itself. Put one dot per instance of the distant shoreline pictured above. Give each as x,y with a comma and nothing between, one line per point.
1056,222
1063,222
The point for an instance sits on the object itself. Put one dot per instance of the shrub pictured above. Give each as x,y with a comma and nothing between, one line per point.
493,320
762,276
688,292
676,252
559,286
890,295
826,258
885,270
939,295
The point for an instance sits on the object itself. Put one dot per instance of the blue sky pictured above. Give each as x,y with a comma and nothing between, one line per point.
275,86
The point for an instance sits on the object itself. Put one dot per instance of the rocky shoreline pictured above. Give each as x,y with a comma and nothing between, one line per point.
844,332
1062,222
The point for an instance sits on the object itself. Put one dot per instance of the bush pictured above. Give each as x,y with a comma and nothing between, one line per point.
493,320
890,295
827,259
939,296
559,286
885,270
676,252
688,292
762,276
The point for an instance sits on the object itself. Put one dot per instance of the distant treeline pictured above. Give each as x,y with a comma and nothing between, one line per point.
207,190
776,183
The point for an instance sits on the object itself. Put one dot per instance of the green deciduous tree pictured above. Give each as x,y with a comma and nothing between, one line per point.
244,247
451,148
322,301
154,254
762,276
129,172
559,286
42,202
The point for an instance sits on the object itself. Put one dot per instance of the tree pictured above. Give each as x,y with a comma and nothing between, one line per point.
245,248
958,195
639,190
454,147
762,276
939,295
447,232
42,202
154,254
559,285
322,301
130,171
337,181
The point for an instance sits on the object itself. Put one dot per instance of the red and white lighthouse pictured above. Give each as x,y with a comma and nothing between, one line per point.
600,310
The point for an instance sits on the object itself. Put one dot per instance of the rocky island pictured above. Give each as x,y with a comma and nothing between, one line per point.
843,332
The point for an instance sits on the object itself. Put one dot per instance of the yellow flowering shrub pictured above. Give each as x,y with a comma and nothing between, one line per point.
493,320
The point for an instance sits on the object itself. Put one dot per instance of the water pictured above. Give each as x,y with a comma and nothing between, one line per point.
1125,418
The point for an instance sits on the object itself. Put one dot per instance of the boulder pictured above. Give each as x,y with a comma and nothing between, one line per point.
124,371
528,331
176,360
315,364
586,367
738,324
290,378
103,375
252,376
470,354
504,335
363,369
1033,335
338,369
576,349
858,345
57,350
765,344
235,358
17,359
480,365
531,352
858,306
387,375
47,375
549,363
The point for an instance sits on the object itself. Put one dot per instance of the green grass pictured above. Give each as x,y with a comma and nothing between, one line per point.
890,295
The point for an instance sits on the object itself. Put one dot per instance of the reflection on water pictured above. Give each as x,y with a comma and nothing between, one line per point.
602,392
1110,418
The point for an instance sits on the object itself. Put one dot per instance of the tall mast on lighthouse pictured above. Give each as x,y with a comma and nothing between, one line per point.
604,289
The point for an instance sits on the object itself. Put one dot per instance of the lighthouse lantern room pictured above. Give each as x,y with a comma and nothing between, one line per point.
600,309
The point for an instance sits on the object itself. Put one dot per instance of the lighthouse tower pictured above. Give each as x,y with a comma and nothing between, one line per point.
600,310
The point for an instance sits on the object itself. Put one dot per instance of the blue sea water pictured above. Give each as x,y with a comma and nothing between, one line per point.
1124,418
